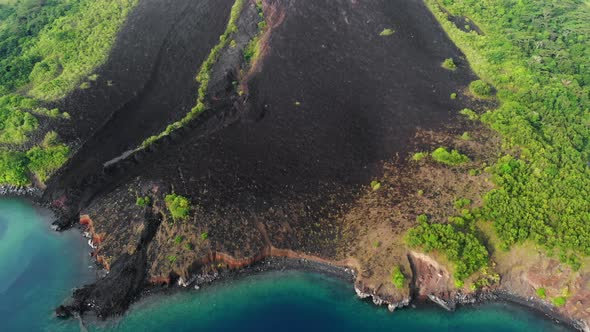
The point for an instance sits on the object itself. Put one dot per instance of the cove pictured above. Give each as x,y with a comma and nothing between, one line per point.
39,268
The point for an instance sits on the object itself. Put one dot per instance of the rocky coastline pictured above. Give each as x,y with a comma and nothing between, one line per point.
285,260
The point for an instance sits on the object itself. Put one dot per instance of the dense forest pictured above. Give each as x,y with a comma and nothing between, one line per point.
535,54
47,49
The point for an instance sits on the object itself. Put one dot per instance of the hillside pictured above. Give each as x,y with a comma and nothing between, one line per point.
439,149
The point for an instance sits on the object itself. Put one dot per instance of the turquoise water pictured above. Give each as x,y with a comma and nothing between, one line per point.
38,268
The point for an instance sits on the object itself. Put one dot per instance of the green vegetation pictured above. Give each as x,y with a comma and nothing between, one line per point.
178,239
469,113
419,156
41,161
459,245
51,46
254,48
480,89
45,159
46,49
13,168
178,206
143,201
535,53
449,64
375,185
386,32
204,73
398,279
466,136
204,236
462,203
453,96
559,301
541,293
172,259
453,158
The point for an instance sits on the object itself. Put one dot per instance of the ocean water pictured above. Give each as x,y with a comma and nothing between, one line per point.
38,269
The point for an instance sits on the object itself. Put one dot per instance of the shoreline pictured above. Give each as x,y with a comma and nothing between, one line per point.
325,267
349,275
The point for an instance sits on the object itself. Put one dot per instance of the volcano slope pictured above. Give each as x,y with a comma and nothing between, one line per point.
303,150
277,167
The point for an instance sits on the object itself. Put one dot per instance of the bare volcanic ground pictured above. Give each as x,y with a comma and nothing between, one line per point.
148,82
284,169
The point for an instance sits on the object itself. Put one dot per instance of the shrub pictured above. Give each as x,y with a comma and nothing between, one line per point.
143,201
453,158
449,64
204,236
178,206
422,218
178,239
541,293
397,278
559,301
375,185
453,96
386,32
469,113
419,156
461,203
480,88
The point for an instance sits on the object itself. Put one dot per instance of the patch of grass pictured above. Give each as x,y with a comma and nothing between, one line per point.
452,158
419,156
398,279
469,113
453,96
143,201
204,236
386,32
541,293
178,239
559,301
449,64
375,185
172,259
